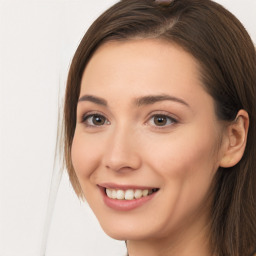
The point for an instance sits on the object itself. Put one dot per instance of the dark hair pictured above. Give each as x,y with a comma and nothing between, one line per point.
227,60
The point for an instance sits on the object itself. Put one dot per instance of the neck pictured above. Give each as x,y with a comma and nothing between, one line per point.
188,242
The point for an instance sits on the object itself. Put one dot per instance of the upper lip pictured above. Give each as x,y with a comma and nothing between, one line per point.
123,186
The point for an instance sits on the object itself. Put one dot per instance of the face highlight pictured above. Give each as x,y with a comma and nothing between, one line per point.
146,139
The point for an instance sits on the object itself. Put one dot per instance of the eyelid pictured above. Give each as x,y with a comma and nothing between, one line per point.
89,114
174,120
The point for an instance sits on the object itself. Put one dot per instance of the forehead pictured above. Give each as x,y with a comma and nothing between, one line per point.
152,53
140,67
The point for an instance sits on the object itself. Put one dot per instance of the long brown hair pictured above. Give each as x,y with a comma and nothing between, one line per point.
227,59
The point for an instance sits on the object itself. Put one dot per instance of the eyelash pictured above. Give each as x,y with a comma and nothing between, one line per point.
85,118
171,121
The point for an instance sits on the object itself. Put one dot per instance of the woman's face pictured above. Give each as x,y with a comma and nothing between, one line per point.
145,125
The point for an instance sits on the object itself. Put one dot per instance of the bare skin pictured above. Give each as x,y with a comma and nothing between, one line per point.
144,120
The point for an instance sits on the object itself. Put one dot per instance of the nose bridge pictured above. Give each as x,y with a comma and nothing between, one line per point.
121,152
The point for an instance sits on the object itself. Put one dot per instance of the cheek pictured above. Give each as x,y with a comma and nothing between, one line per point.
187,167
185,155
85,155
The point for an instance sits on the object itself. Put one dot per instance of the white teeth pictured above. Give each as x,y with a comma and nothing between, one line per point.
138,193
120,194
128,194
113,194
145,192
109,193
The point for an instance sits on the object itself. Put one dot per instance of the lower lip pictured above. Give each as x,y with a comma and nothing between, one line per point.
125,205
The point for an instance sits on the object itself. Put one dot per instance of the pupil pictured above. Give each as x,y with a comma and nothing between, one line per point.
160,120
98,120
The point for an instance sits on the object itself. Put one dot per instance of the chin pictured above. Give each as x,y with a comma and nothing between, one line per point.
127,231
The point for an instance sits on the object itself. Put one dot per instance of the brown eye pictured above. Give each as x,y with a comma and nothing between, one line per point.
160,120
98,120
95,120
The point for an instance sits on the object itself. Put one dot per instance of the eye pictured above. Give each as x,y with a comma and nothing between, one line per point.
95,120
161,120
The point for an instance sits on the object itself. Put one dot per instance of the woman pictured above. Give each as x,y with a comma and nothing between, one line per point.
160,127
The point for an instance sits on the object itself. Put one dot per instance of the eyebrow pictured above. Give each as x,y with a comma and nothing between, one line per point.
141,101
151,99
94,99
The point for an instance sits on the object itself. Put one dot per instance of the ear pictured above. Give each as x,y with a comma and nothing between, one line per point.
235,140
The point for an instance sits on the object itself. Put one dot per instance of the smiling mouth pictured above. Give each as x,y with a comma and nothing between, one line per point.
129,194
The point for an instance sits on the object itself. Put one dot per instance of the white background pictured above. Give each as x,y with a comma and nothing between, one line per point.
37,42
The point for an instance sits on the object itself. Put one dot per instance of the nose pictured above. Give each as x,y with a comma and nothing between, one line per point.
121,153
